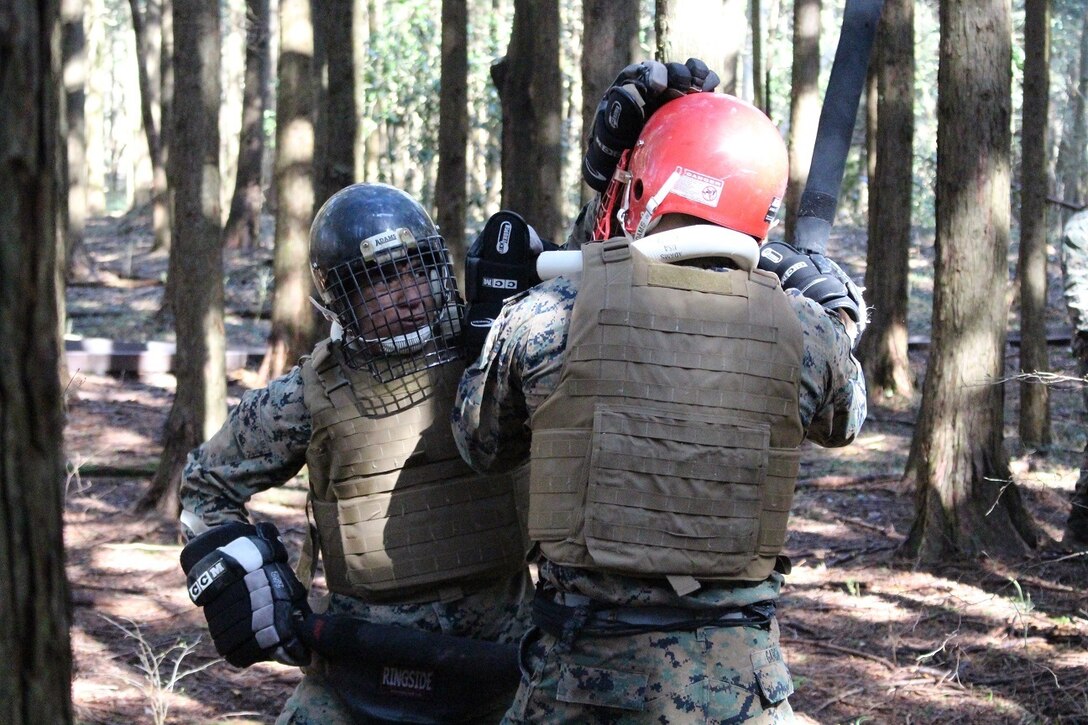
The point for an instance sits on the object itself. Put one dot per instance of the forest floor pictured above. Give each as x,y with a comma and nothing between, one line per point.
868,637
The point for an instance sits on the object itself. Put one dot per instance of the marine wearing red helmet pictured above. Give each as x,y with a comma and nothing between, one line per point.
731,171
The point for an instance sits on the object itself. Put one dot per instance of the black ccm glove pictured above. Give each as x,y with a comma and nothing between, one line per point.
638,91
239,574
817,277
501,263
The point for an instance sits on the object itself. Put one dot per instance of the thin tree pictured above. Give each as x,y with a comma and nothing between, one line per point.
1072,163
530,88
76,263
196,255
148,30
966,501
335,118
35,682
711,30
1034,394
755,15
293,324
450,192
804,102
243,227
610,35
372,143
883,348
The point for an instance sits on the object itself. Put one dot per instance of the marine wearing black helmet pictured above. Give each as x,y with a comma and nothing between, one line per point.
363,238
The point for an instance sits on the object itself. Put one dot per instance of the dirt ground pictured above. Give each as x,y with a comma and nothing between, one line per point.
868,637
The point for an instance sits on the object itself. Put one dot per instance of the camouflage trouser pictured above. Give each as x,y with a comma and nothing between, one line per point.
709,675
498,613
1077,524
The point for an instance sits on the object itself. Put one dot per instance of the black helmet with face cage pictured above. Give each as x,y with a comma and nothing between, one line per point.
365,236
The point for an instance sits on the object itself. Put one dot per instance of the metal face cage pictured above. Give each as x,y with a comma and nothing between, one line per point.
400,313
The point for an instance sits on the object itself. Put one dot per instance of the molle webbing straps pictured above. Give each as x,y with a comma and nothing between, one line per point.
669,446
399,514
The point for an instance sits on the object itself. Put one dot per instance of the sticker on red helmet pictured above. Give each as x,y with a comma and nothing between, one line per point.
697,187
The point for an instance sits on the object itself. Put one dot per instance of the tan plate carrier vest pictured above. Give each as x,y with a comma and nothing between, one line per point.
669,447
398,514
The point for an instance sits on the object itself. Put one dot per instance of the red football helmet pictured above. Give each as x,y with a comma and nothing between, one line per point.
708,155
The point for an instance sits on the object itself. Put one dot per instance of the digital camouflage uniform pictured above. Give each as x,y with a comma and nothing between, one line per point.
263,444
1075,277
703,674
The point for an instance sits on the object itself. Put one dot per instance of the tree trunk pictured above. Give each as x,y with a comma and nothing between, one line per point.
76,263
450,190
148,31
1034,394
166,136
335,117
611,35
243,227
196,254
755,14
35,684
966,501
804,102
711,30
372,143
883,348
531,96
1072,165
293,323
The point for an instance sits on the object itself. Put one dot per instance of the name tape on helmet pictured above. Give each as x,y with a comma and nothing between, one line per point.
387,246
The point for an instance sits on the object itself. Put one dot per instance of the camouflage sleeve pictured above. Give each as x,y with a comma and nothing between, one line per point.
832,400
262,444
518,368
1075,269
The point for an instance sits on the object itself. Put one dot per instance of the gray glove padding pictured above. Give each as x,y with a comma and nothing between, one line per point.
638,91
238,573
817,277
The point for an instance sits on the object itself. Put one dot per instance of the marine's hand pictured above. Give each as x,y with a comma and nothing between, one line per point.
238,573
638,91
500,263
817,278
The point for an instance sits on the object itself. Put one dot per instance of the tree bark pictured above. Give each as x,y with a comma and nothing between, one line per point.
196,255
759,96
610,37
804,103
148,31
966,501
76,263
883,347
243,227
711,30
35,683
531,96
293,323
1072,164
451,196
335,123
1034,394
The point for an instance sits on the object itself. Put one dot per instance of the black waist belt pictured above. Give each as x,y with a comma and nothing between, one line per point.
564,615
